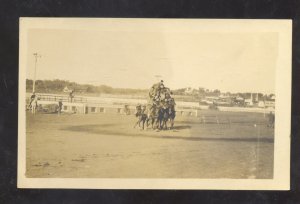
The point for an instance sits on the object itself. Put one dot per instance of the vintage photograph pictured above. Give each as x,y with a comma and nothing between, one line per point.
155,99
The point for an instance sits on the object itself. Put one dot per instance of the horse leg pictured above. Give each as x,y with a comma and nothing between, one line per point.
166,124
156,123
160,124
153,121
168,121
138,122
171,123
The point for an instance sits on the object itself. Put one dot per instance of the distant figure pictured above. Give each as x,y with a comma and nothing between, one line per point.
71,95
271,119
126,109
141,115
34,105
60,104
32,97
138,110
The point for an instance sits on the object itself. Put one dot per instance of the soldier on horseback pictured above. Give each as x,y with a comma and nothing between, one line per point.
141,115
155,90
160,107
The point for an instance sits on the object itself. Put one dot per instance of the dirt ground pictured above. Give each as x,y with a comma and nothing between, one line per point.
107,146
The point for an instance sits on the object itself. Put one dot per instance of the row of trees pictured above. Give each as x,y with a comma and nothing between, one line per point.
57,86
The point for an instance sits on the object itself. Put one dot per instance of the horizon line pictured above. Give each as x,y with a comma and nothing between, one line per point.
194,88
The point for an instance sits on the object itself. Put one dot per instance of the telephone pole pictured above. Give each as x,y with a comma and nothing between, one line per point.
36,55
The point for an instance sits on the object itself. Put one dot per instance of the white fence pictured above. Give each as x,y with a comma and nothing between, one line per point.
81,104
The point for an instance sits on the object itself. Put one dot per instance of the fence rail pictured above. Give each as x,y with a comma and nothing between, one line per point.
184,107
46,97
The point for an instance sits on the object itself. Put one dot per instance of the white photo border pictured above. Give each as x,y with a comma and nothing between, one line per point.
281,179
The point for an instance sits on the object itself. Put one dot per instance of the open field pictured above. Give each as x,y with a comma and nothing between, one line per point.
107,146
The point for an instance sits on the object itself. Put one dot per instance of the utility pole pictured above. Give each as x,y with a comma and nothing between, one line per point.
36,55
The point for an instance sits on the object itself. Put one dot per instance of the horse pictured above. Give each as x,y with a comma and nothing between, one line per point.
152,116
172,115
142,117
165,114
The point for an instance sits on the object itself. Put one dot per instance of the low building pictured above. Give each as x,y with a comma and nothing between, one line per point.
270,103
261,104
209,100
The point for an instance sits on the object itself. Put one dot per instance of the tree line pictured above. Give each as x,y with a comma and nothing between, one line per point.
58,86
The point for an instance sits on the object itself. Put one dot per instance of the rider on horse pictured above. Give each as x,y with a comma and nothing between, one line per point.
160,107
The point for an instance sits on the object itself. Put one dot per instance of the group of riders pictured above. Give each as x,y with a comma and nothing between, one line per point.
159,110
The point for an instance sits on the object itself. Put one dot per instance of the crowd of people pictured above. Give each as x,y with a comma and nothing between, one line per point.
160,108
159,96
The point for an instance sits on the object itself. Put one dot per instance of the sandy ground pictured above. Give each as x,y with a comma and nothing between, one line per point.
107,146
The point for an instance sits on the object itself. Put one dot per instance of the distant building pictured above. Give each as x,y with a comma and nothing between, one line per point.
270,103
261,104
66,90
209,100
224,100
238,98
273,97
188,90
249,101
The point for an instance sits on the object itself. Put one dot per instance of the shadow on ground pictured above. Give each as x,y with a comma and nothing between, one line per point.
101,130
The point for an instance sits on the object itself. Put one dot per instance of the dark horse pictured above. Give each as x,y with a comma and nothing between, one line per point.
164,115
142,117
172,115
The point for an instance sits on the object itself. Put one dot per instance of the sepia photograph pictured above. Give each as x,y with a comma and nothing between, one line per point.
154,103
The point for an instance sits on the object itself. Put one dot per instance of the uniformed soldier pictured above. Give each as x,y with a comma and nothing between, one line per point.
60,105
71,95
165,103
173,102
138,109
160,95
155,89
143,109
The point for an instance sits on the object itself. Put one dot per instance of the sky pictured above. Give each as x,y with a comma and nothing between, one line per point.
228,61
